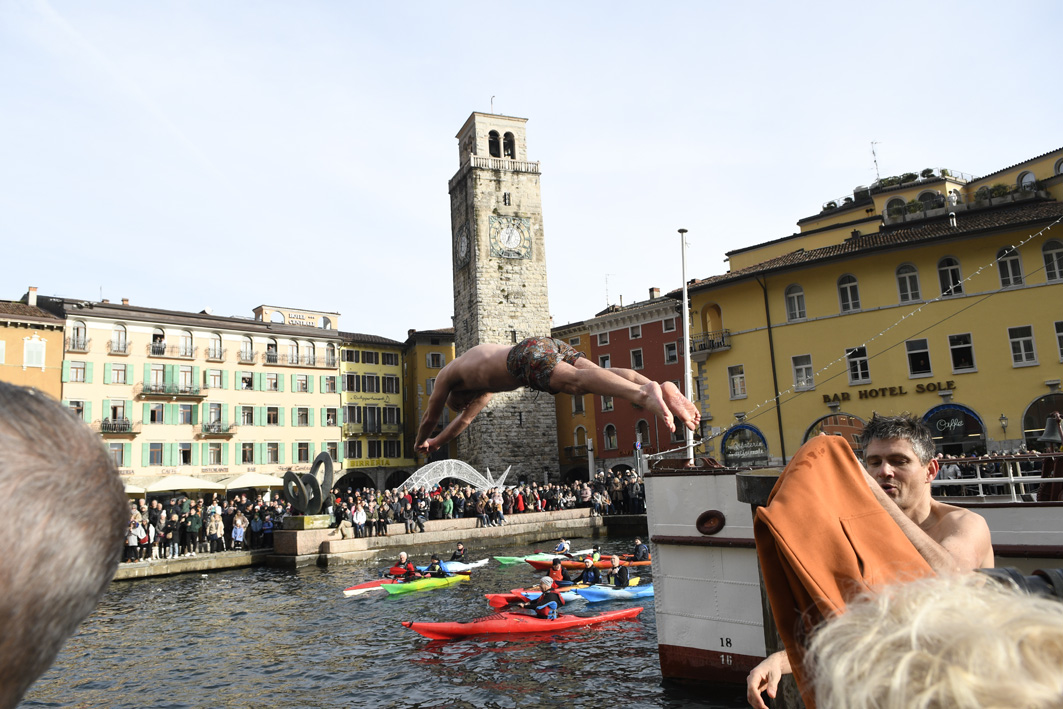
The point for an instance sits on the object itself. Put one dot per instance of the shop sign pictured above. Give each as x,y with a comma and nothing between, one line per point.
883,392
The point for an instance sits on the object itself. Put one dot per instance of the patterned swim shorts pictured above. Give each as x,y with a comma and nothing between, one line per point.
532,362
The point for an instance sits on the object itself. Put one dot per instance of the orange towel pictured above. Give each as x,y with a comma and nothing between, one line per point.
823,538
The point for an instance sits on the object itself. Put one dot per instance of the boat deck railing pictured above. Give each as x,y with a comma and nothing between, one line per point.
1005,478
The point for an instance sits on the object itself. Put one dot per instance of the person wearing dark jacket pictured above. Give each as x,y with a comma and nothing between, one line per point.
590,575
617,575
459,554
435,568
557,573
642,552
549,595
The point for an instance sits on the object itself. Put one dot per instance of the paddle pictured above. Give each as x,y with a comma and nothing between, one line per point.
556,553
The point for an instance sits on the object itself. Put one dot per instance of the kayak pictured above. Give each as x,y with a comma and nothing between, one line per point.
361,588
454,566
594,594
604,563
424,584
515,623
519,595
507,560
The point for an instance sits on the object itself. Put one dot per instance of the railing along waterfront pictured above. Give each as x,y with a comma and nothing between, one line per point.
1016,477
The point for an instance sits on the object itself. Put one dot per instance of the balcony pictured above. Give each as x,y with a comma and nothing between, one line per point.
216,354
116,427
147,390
77,344
576,452
118,347
351,430
271,357
391,428
161,349
705,343
246,357
216,428
331,361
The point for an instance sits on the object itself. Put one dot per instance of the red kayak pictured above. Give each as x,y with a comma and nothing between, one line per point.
515,624
603,563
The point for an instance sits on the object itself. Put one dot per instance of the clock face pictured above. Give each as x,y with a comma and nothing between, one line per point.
510,237
462,245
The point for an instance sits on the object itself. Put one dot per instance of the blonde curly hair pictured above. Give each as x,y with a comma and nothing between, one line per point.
958,642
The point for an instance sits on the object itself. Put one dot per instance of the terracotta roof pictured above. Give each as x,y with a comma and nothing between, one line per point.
969,223
15,309
368,339
1024,162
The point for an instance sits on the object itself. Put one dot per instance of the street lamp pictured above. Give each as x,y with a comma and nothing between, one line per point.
1004,423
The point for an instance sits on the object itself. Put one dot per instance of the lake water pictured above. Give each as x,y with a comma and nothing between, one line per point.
290,638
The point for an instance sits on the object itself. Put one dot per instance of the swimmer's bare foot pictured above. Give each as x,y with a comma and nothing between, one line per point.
683,408
654,401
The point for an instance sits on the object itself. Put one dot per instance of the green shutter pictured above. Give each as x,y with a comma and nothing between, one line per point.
260,453
295,452
171,416
309,417
196,418
224,453
128,373
310,383
295,419
256,378
310,446
88,373
66,371
280,415
106,413
127,455
147,373
260,415
166,454
225,379
294,388
167,374
321,383
224,414
88,412
324,417
145,455
280,382
195,377
236,380
147,413
107,378
280,453
195,454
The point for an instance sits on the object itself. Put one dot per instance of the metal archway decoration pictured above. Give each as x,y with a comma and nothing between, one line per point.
431,474
306,492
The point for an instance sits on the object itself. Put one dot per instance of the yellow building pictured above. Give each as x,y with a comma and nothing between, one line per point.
932,293
197,394
575,414
425,352
371,384
31,346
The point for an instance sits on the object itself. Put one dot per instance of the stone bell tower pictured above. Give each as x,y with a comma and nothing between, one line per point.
500,291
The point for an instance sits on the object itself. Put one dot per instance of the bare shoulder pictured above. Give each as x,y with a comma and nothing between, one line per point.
964,533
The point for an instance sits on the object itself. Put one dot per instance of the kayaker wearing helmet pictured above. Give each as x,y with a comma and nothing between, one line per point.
548,595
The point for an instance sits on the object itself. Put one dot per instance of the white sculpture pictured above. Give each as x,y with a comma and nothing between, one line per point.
430,475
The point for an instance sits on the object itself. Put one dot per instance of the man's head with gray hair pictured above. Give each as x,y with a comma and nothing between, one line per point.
65,514
905,427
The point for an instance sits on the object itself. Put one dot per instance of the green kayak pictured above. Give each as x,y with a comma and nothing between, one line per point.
541,556
423,584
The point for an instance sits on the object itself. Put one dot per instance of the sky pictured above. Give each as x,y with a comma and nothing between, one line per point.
199,154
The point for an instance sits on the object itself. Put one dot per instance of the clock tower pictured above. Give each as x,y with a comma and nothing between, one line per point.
500,291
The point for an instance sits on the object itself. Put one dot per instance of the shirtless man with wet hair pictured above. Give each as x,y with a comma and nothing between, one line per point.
547,364
900,462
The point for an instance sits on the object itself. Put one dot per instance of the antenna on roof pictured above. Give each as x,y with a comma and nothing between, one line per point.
874,157
492,104
607,303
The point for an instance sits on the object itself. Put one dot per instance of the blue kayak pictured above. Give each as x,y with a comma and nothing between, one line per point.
594,594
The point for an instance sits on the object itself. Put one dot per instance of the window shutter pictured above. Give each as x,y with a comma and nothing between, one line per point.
224,414
310,383
195,376
167,454
128,373
224,453
107,372
309,417
147,413
260,453
88,373
167,374
324,417
225,379
311,447
295,452
106,413
295,418
196,418
66,371
195,454
280,415
147,372
127,455
88,412
280,382
145,455
280,453
257,379
294,386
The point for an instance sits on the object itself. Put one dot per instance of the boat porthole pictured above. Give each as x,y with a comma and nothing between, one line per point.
710,522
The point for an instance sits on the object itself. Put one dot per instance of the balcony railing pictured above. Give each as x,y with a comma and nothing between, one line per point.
575,452
246,356
217,428
216,354
157,349
77,344
271,357
330,361
391,428
351,429
170,389
711,341
120,426
119,347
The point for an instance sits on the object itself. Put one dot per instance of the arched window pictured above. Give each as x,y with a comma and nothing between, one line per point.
642,429
949,276
509,146
330,355
580,437
158,341
895,207
848,293
908,283
311,354
119,341
247,350
795,303
79,337
293,352
272,355
215,347
186,344
493,146
1027,182
610,437
931,199
1010,267
1059,167
1053,253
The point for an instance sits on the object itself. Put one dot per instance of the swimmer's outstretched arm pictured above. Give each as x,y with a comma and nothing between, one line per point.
455,427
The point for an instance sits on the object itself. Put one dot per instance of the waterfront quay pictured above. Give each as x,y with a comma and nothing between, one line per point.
325,547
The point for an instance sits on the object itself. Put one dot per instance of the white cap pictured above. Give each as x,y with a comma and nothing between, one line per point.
546,581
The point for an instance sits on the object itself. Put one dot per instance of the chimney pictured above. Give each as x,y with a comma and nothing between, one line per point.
31,296
105,301
655,293
409,333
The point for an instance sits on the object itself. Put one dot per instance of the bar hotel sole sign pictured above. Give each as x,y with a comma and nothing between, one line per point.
890,391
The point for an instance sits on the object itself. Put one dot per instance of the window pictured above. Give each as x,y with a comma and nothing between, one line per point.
77,371
214,378
273,416
272,381
636,359
184,454
33,352
392,449
1010,267
247,350
78,341
859,370
156,413
1059,339
247,453
635,331
158,342
119,345
671,353
247,381
669,324
214,348
803,379
1053,254
214,454
848,293
77,408
247,415
293,353
186,349
301,383
330,385
158,376
352,382
352,414
273,453
949,276
603,361
429,385
607,403
333,450
391,415
390,359
1022,349
374,448
962,352
736,376
330,356
370,357
185,378
391,384
117,410
310,358
118,374
154,454
371,383
493,147
509,148
302,416
574,341
214,413
435,360
908,283
603,338
795,303
506,197
117,451
918,358
895,207
352,449
331,418
184,413
610,437
350,355
1027,182
577,401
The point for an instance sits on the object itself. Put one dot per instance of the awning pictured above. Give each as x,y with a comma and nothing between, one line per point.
255,480
173,483
134,489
